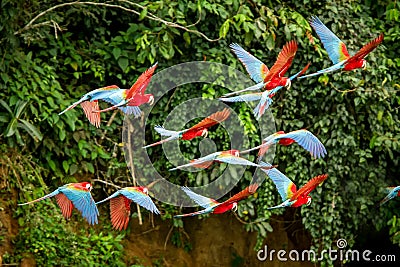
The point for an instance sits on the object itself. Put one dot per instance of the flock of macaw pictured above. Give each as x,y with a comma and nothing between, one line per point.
270,81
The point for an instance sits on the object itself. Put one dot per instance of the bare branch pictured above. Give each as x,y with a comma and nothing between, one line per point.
149,15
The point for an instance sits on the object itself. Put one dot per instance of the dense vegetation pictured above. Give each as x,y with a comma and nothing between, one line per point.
51,59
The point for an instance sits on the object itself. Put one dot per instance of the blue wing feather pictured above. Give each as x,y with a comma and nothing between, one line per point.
83,202
205,202
331,42
306,140
253,65
282,183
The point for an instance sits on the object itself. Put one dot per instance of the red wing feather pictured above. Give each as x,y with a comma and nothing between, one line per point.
89,108
211,120
283,61
120,210
366,49
310,186
141,83
65,204
201,165
245,193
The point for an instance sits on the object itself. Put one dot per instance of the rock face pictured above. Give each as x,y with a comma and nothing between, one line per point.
219,240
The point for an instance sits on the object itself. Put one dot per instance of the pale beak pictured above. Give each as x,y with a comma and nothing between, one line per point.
234,207
151,100
205,133
308,201
288,84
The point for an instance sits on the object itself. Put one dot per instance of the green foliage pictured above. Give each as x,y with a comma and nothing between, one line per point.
356,115
53,241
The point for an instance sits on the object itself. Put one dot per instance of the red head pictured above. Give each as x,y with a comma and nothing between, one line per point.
302,200
143,189
83,186
358,64
233,152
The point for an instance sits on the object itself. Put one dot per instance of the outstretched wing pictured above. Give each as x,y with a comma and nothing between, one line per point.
90,108
242,98
256,69
142,82
366,49
306,140
120,211
310,186
231,159
212,120
83,202
65,204
205,202
286,188
200,162
283,61
137,196
335,48
163,132
245,193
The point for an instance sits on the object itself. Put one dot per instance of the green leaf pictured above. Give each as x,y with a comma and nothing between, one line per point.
6,106
116,52
186,37
31,129
123,63
223,31
143,14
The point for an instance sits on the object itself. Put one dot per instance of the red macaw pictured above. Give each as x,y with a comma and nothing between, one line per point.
200,129
120,204
136,96
337,50
117,97
292,197
228,156
392,193
74,195
259,72
303,137
265,98
212,206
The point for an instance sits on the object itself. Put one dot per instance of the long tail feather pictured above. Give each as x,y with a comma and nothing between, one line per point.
52,194
251,88
192,214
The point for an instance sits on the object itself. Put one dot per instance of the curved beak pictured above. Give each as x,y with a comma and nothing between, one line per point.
205,133
151,100
288,84
234,207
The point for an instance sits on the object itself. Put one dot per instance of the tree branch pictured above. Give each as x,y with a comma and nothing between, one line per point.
149,16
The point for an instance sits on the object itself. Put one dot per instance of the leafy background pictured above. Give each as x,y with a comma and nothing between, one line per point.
49,61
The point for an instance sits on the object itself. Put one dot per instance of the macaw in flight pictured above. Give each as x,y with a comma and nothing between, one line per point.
212,206
136,96
127,100
264,98
259,72
302,137
229,156
337,50
74,195
292,197
392,193
120,204
200,129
